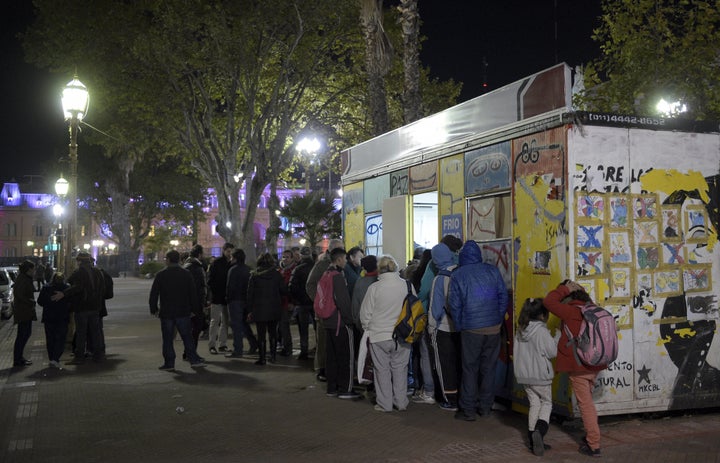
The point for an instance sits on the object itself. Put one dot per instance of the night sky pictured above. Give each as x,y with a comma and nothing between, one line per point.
515,38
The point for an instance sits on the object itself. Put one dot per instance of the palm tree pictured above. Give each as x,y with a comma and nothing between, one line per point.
315,214
378,60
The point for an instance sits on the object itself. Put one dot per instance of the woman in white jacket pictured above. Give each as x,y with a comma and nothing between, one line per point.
378,313
533,350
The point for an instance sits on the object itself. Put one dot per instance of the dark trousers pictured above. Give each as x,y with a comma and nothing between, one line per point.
447,361
267,329
284,331
24,330
197,323
305,317
167,326
240,327
87,325
479,358
55,334
339,358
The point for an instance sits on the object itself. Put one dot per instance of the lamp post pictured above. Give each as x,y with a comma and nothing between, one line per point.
61,189
308,147
75,100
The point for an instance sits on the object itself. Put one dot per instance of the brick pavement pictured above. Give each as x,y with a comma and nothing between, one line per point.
233,411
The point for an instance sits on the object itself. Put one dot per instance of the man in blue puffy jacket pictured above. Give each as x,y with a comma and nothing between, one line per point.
478,300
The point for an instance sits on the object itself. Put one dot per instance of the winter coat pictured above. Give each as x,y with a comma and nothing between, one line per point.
196,269
342,302
53,311
478,296
358,295
87,289
298,280
569,313
317,271
381,306
533,350
437,298
24,299
174,287
237,283
265,288
352,275
217,280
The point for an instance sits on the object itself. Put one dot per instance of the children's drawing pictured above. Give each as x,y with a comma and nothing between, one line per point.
644,207
589,236
588,285
589,263
620,282
647,257
618,211
644,282
670,223
696,224
668,283
673,254
591,206
697,278
646,231
619,247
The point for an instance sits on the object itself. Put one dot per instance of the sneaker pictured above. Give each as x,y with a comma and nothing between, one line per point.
331,394
378,408
321,375
55,364
351,395
197,364
213,351
587,450
224,349
234,355
166,368
423,398
447,406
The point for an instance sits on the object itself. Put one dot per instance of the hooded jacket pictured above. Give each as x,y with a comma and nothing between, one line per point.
533,350
265,288
478,296
569,313
381,306
443,260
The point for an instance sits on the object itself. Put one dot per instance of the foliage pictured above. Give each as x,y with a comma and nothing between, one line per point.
151,267
312,216
654,49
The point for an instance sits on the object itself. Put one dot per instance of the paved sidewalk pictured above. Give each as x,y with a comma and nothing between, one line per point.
125,409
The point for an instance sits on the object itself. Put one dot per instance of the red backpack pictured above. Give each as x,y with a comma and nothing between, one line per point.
324,303
597,341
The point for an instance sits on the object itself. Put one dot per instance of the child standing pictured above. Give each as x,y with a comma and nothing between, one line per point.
534,348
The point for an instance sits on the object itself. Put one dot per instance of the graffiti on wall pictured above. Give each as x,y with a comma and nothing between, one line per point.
399,182
451,185
353,215
487,168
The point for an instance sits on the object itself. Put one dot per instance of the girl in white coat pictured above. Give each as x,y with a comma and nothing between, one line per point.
534,348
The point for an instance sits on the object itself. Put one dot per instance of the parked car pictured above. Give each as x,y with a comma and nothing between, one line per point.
7,279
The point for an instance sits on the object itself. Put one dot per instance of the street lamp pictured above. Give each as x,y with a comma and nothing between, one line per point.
670,109
75,101
309,148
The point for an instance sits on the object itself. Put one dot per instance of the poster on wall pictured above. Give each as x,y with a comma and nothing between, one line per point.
423,177
451,199
452,224
487,168
373,234
482,217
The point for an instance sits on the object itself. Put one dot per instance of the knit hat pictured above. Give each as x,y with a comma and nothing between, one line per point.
84,256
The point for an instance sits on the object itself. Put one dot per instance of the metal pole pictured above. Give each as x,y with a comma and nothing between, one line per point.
72,202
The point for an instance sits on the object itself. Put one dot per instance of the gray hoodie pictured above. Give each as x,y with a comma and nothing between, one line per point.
534,347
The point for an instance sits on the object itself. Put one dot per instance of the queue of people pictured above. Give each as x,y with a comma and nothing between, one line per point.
453,363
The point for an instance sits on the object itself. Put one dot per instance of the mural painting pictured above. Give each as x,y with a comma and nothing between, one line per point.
487,169
353,215
423,177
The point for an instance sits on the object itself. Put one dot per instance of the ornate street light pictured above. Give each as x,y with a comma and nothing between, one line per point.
61,189
75,100
309,148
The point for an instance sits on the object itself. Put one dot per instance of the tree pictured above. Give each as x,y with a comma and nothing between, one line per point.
654,49
312,216
410,23
378,60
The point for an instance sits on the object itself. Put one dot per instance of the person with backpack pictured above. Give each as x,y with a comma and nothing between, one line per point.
566,302
379,314
300,297
333,306
444,338
478,300
533,351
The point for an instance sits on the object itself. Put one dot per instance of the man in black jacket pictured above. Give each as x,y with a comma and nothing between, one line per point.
299,296
197,270
175,289
236,292
219,316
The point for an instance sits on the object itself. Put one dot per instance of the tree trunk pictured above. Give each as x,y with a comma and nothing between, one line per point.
378,58
410,22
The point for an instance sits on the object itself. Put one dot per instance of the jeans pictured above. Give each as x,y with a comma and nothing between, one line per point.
305,317
24,330
55,333
238,321
284,334
167,326
479,358
218,321
87,324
